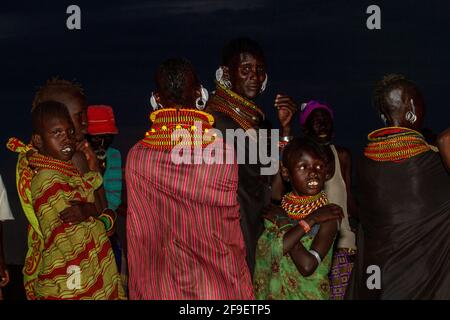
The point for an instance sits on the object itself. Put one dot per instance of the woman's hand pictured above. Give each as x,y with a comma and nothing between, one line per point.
286,109
78,212
326,213
89,153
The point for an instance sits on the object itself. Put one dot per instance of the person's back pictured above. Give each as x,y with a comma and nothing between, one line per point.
183,231
405,209
187,217
405,206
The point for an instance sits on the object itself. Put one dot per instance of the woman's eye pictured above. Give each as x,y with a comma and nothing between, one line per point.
302,167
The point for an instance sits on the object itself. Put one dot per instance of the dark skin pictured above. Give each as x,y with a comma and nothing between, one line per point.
100,144
56,139
399,101
191,91
444,147
247,73
307,174
319,127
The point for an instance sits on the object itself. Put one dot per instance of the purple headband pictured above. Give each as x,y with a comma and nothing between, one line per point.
309,107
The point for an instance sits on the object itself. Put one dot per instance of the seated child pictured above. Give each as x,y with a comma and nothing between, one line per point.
293,254
69,255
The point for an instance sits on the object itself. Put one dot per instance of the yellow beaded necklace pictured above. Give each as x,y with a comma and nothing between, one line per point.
166,121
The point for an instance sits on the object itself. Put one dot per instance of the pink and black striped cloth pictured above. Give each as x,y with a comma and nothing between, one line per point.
184,235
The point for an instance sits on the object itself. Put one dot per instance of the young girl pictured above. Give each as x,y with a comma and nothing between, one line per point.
293,255
69,254
316,120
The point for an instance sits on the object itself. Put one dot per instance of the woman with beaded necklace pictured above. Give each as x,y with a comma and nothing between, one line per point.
293,255
404,204
240,79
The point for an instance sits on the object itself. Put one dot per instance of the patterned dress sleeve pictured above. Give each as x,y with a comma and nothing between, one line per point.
94,179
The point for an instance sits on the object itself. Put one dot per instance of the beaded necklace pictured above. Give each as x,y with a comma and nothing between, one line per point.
299,207
395,144
39,161
166,121
244,112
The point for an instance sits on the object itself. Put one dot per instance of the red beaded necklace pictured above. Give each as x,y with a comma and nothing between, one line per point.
39,161
395,144
299,207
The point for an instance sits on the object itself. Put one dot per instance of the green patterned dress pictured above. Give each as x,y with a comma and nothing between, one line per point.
277,278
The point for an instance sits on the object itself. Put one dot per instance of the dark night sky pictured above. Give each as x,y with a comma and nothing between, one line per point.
315,49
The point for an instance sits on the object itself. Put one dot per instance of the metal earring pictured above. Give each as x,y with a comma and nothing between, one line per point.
219,78
411,117
264,84
155,105
383,118
200,103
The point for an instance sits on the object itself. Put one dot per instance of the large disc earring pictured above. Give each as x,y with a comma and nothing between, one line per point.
219,77
264,84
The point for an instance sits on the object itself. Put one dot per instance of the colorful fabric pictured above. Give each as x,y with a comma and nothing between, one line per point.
183,231
112,178
309,107
341,269
101,120
395,144
277,278
243,111
55,248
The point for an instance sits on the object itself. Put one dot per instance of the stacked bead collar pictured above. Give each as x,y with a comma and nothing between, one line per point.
299,207
166,121
395,144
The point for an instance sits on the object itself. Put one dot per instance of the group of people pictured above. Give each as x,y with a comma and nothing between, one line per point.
221,229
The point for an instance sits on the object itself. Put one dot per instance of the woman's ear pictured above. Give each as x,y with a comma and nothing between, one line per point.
284,173
226,73
36,140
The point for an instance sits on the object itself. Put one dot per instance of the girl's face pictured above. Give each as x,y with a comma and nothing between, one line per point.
56,139
306,173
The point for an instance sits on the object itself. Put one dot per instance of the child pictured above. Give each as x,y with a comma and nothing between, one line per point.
293,255
316,120
69,254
